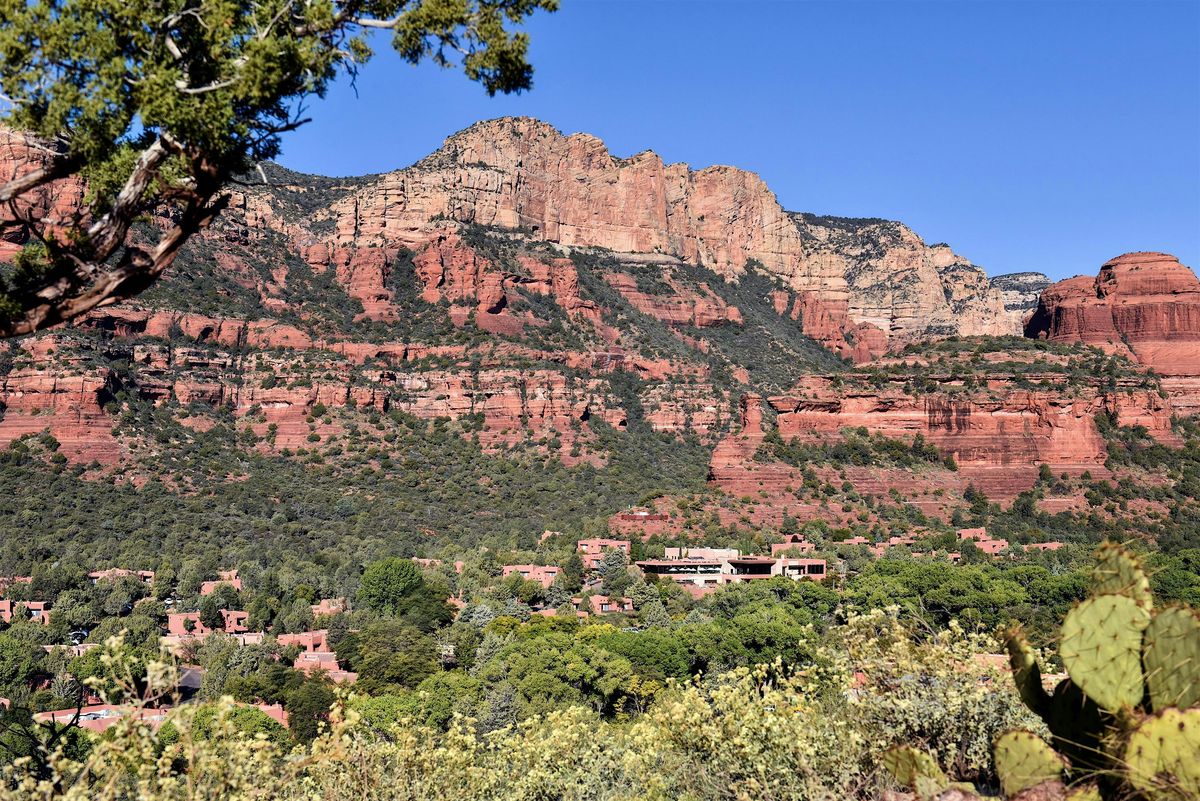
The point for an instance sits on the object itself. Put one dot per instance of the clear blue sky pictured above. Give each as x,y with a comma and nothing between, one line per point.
1028,135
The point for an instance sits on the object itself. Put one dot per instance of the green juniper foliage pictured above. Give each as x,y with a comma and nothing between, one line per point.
156,106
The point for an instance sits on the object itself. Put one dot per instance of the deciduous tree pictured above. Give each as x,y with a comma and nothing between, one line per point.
388,583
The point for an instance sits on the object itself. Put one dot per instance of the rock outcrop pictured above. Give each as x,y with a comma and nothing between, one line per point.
65,400
1021,292
830,324
451,270
895,282
272,377
1143,305
673,303
997,437
48,205
519,173
558,278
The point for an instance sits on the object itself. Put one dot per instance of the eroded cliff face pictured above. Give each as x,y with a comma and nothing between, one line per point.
907,289
316,305
996,432
998,438
51,390
864,286
296,392
1021,292
831,326
1143,305
522,173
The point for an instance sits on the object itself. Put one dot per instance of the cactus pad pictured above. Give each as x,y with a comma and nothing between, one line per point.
1163,755
1023,760
1172,657
915,769
1118,571
1084,792
1077,724
1102,649
1026,672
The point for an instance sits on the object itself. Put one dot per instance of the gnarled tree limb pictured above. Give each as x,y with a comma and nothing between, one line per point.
136,270
58,167
108,232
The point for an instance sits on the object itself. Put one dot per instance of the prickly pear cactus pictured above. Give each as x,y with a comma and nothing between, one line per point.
917,770
1118,652
912,767
1162,756
1172,657
1101,648
1118,571
1079,726
1023,760
1026,672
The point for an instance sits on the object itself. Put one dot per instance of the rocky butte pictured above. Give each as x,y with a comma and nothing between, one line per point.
1143,305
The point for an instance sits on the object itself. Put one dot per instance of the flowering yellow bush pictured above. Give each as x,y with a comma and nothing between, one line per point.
763,734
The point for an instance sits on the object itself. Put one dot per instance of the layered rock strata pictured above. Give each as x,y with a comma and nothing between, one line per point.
519,173
998,436
1142,305
273,377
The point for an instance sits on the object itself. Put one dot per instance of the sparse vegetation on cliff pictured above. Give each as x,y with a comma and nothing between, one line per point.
854,447
210,497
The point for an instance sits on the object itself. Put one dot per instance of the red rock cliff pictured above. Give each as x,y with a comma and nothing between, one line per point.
997,436
519,172
1144,305
48,204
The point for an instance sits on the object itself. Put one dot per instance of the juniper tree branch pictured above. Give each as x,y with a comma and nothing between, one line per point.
108,232
136,270
59,167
